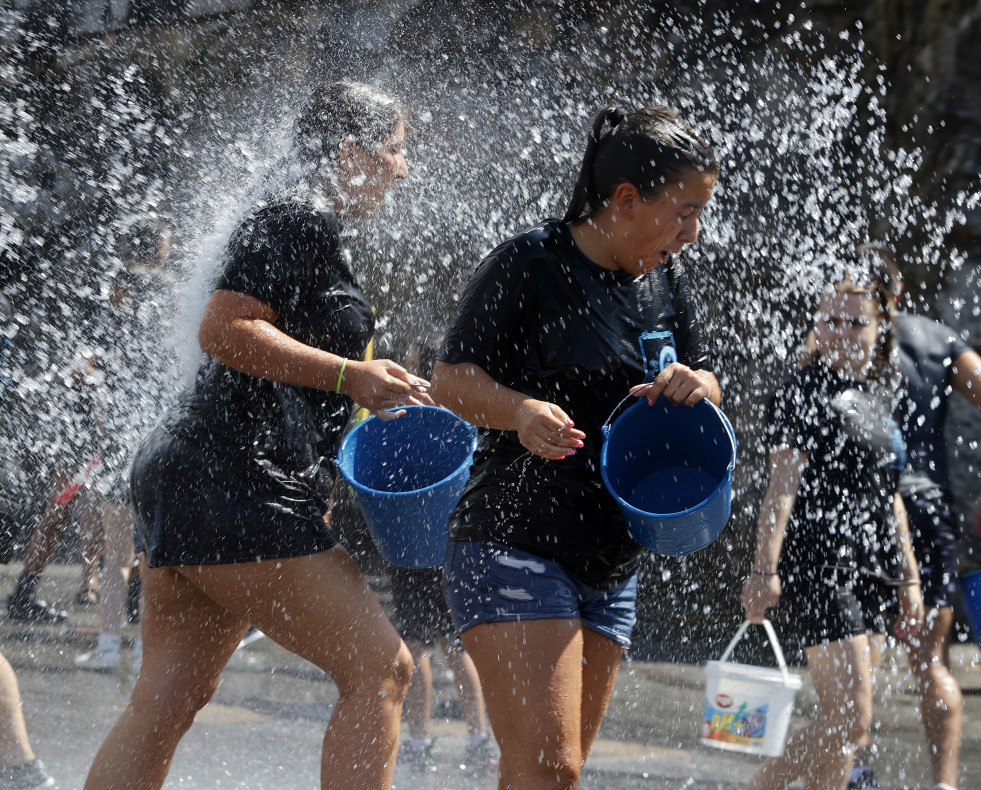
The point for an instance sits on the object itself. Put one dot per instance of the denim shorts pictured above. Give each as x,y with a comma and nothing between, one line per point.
487,582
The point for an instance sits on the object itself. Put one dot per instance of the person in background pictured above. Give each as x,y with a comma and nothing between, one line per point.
423,620
557,327
126,400
934,363
232,489
832,543
19,768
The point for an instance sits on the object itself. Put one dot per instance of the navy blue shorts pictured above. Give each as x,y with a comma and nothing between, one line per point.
831,607
487,582
933,531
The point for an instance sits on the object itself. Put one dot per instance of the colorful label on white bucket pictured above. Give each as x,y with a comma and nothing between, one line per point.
740,722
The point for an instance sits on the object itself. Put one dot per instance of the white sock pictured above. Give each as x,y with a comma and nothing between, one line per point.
942,786
108,643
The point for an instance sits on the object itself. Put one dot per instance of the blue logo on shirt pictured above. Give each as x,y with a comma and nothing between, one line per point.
658,351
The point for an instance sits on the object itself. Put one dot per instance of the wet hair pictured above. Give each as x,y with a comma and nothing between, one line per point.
339,111
871,271
649,148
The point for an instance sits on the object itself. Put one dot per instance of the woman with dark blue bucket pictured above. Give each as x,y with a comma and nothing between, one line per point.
555,328
232,489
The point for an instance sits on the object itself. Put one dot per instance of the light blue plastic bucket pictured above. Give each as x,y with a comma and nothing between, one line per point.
408,475
971,594
669,469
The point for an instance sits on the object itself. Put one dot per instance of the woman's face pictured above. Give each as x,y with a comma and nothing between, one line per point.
365,177
846,329
663,225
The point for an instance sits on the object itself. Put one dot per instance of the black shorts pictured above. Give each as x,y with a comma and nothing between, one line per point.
197,508
934,532
833,606
421,612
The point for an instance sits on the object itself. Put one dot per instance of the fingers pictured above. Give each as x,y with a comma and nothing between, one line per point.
557,444
678,383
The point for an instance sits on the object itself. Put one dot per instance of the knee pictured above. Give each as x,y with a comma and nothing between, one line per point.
386,676
171,703
549,769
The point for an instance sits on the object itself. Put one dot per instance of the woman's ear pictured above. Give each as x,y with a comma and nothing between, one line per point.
345,152
625,199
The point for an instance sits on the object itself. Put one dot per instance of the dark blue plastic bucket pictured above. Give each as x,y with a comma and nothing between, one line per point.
971,593
407,475
669,469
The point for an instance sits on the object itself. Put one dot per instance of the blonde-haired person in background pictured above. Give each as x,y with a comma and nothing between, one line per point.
832,544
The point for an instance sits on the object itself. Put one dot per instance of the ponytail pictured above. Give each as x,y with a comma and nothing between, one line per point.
584,192
648,148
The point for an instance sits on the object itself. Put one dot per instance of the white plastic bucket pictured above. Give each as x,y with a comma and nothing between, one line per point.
748,708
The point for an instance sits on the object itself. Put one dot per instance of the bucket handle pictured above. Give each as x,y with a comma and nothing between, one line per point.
725,422
774,643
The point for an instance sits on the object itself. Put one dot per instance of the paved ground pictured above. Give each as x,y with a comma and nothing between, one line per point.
263,729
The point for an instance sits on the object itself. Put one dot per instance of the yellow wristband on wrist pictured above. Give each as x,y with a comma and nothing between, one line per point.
340,376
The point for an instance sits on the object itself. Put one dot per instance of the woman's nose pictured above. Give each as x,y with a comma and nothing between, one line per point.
401,167
689,230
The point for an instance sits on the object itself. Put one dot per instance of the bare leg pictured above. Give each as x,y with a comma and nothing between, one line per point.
15,748
187,642
117,557
467,686
45,539
419,699
534,686
319,607
941,701
823,751
90,543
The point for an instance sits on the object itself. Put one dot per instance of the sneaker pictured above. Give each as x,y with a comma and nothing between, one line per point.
98,660
25,776
478,757
420,760
34,610
252,636
862,778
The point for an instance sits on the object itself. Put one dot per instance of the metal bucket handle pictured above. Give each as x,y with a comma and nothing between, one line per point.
774,643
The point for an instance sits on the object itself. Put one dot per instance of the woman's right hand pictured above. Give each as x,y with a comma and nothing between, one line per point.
759,594
380,385
546,431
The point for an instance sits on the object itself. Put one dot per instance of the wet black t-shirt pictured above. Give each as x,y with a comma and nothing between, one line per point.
926,352
541,318
291,257
843,520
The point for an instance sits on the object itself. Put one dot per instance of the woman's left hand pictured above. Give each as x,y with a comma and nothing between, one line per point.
681,385
910,611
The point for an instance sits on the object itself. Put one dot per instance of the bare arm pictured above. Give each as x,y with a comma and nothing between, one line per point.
762,589
965,378
910,593
239,331
469,391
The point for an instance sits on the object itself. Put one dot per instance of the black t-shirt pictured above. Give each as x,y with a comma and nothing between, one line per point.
843,516
541,318
291,257
926,352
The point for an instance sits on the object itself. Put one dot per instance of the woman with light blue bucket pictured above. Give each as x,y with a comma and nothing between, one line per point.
558,326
